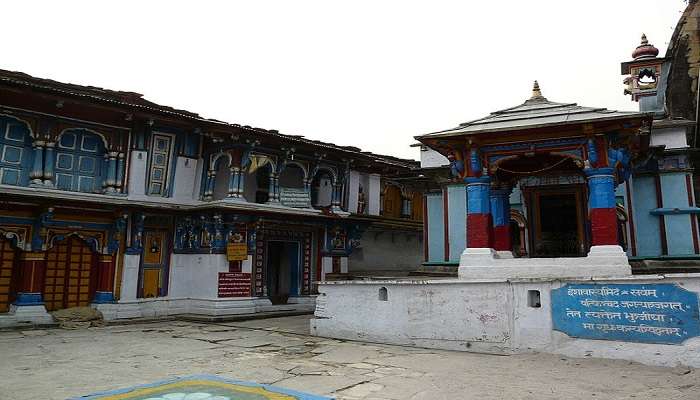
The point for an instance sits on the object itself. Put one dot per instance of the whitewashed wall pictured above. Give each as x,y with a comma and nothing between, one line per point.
479,316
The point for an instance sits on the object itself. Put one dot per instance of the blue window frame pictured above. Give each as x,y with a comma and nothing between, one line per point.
15,151
80,161
159,163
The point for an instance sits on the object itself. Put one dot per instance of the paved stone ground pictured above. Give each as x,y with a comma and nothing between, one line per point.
56,364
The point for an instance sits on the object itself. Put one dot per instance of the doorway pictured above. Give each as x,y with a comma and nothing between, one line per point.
8,274
557,217
71,274
282,270
154,267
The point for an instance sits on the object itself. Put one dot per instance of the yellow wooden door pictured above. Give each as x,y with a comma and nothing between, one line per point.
7,263
69,265
153,263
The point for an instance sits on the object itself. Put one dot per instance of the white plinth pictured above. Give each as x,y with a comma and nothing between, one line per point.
485,263
26,315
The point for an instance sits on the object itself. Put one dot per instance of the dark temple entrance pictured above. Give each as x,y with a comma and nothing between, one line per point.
557,222
282,270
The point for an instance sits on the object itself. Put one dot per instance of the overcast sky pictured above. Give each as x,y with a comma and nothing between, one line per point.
371,74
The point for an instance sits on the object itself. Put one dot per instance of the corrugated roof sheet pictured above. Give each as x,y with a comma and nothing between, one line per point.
534,113
136,100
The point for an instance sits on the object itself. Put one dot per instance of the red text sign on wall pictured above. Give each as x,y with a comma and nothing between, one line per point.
234,284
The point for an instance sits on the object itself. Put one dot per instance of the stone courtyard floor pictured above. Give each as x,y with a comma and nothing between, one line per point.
56,364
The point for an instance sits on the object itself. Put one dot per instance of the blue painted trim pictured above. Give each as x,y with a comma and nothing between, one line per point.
601,185
673,257
274,389
500,206
675,211
478,201
103,298
537,145
28,299
54,223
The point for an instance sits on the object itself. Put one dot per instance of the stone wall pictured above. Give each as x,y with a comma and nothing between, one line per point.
487,316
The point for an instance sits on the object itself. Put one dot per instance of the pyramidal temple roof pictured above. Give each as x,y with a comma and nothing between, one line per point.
535,112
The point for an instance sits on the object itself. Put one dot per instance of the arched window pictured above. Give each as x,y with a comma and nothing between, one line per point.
15,151
223,175
292,187
322,190
80,164
292,177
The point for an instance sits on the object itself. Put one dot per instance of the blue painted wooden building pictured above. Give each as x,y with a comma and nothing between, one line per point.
145,210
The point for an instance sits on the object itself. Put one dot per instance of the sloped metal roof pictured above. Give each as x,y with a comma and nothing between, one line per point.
535,112
136,101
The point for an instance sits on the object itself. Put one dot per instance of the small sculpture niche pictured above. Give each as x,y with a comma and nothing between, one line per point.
383,294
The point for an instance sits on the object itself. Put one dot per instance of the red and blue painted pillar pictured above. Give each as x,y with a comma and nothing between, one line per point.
500,213
601,201
105,280
479,224
32,266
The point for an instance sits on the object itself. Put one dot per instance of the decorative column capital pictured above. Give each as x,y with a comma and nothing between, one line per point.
596,172
480,180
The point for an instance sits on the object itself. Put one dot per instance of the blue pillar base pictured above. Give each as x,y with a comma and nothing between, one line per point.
28,299
103,297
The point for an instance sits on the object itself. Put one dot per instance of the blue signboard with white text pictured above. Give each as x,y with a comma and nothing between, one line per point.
645,313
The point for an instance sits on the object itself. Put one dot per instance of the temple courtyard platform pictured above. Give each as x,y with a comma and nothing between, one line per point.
58,364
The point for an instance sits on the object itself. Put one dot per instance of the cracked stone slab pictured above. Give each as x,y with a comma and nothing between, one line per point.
345,354
362,390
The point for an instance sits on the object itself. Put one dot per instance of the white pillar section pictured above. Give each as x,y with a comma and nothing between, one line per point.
130,278
247,265
185,179
326,267
137,173
196,275
343,265
373,195
353,190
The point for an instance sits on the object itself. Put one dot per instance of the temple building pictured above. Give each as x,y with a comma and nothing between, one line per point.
141,210
548,180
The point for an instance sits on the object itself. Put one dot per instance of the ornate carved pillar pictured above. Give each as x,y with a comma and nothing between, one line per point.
111,178
336,196
273,190
37,174
119,184
209,191
49,162
105,280
32,266
235,186
479,224
500,214
601,200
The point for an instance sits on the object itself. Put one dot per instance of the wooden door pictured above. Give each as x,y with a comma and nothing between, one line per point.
7,269
564,208
70,275
154,263
392,202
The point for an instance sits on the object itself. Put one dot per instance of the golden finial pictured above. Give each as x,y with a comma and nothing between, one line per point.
644,39
536,93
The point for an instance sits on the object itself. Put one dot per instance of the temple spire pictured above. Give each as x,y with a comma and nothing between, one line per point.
536,93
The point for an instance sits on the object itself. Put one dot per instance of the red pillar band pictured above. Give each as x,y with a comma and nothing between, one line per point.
501,238
479,230
32,266
106,274
603,226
